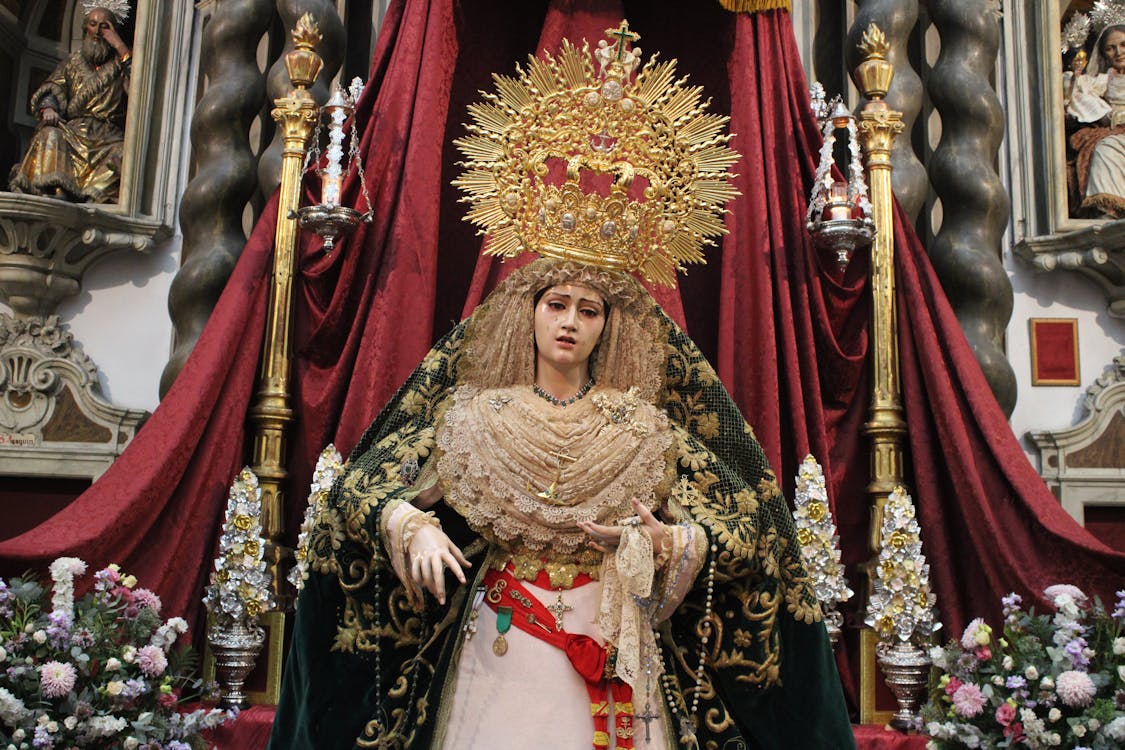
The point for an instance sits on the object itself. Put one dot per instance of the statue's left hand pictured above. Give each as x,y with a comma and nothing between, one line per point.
607,538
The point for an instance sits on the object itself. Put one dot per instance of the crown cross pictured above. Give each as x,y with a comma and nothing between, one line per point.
624,36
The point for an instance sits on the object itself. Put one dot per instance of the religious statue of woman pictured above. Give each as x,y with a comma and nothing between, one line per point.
561,532
1101,148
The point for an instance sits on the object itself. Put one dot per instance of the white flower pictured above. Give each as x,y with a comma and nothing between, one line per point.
63,571
131,743
114,688
128,654
1119,646
105,726
1076,689
1054,714
1093,724
1054,739
1079,730
998,680
70,722
52,726
3,654
18,735
39,636
112,664
1115,730
1008,663
1032,673
12,709
1121,672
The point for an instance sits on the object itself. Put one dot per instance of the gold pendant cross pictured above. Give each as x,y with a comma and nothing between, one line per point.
558,609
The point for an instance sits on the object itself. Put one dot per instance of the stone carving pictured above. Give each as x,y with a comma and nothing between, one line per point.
1097,252
46,246
1085,464
53,418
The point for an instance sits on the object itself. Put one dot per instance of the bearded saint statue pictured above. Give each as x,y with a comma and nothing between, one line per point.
76,151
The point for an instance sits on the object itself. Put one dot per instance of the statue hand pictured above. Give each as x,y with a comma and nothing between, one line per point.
607,538
48,116
431,552
113,39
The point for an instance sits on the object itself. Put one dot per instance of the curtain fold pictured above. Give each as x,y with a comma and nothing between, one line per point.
785,328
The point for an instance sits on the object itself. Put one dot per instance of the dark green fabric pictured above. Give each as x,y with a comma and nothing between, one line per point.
771,680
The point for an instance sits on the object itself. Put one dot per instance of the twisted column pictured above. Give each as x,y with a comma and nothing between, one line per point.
966,252
897,19
215,198
331,51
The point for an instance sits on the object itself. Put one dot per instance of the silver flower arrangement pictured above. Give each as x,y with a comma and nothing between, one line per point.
901,609
328,467
902,605
240,591
820,544
240,585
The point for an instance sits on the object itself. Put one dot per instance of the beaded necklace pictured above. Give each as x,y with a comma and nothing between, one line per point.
563,402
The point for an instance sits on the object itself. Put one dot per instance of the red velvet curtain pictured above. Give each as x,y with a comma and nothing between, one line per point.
785,328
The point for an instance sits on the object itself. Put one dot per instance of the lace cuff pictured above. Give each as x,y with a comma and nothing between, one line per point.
687,552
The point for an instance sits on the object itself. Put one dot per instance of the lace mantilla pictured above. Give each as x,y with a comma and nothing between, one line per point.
526,474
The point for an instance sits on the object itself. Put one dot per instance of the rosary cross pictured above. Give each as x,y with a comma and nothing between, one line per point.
647,718
558,609
624,36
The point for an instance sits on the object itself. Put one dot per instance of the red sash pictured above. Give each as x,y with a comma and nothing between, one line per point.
586,655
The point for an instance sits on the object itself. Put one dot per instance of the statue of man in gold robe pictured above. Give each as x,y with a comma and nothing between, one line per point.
76,151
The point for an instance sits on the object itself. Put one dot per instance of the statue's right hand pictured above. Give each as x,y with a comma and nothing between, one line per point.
48,116
431,552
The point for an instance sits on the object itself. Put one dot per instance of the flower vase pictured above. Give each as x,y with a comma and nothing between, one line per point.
236,651
906,668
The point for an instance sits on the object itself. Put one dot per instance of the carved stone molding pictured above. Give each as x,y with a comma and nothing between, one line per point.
46,245
1085,464
1097,252
54,420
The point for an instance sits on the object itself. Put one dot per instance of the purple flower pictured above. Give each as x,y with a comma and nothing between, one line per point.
58,629
1118,612
1075,649
82,638
133,688
1015,682
5,599
42,738
1011,603
177,745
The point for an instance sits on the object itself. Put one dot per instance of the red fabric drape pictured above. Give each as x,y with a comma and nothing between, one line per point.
785,328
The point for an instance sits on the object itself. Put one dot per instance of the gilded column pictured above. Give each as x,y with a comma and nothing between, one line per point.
966,252
224,169
331,50
879,125
270,415
897,19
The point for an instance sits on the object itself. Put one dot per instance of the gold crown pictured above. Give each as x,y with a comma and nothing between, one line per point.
615,168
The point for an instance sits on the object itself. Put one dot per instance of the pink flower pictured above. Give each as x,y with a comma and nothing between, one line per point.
1076,689
1005,713
166,700
968,701
952,686
56,678
984,653
146,598
1015,731
151,660
978,633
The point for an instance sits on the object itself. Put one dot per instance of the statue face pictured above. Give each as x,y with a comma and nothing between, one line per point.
97,22
569,319
1113,49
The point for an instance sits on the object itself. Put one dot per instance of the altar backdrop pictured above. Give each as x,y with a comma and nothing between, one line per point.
785,329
